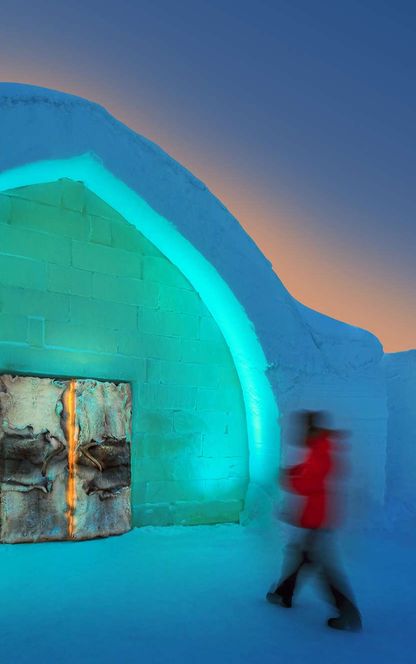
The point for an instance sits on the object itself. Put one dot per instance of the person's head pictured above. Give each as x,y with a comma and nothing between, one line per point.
315,421
310,419
302,425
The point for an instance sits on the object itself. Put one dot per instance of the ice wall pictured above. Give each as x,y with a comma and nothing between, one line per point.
348,383
400,371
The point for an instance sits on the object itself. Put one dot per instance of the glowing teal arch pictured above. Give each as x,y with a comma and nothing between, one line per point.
238,331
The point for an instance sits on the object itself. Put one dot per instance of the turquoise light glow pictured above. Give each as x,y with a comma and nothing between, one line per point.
238,331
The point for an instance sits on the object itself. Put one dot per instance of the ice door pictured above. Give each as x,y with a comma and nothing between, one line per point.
102,472
64,459
33,459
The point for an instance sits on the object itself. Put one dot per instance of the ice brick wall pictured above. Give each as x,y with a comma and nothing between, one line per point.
347,381
401,450
84,293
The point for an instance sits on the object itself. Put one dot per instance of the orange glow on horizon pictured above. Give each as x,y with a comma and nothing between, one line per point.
333,281
72,436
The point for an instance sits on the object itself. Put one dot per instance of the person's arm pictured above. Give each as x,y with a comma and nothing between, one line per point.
286,475
308,477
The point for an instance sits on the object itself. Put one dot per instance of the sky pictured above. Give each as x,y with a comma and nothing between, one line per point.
300,116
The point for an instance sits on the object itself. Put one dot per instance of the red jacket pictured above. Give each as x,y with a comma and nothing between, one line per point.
310,479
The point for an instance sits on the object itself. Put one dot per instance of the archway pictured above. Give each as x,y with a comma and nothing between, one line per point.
248,356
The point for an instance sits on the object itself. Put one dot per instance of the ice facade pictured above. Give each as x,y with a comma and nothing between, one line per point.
285,355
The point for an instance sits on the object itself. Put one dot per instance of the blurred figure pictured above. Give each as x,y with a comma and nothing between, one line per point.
315,480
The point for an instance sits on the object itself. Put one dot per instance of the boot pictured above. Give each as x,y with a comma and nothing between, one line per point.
284,591
348,620
349,617
275,598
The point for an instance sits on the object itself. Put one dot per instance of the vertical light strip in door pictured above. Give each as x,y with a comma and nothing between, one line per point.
72,435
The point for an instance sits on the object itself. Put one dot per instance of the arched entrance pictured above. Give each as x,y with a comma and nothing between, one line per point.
220,303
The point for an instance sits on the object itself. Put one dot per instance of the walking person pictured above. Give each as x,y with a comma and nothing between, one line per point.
314,480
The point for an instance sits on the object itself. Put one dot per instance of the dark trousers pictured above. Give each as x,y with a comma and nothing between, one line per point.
315,550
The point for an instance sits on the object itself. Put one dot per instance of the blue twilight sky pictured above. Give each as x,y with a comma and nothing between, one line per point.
299,115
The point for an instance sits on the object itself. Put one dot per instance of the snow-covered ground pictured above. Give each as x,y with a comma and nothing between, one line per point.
196,595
